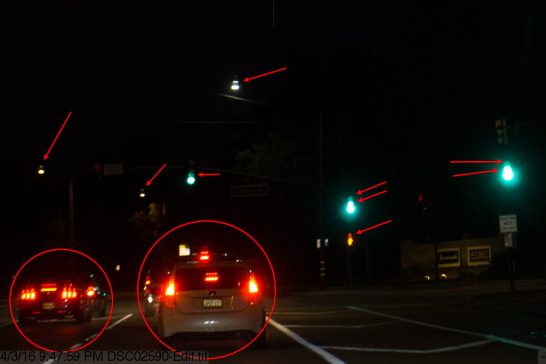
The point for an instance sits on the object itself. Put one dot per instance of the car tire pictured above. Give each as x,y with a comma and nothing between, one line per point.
261,342
24,321
149,311
83,317
102,309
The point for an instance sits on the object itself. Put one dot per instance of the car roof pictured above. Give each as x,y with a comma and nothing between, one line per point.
63,278
218,259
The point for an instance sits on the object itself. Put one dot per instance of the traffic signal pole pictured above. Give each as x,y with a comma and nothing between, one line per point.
322,258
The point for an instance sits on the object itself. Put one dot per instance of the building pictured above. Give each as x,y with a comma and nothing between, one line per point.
457,258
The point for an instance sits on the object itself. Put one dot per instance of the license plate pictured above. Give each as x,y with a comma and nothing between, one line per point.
48,305
212,303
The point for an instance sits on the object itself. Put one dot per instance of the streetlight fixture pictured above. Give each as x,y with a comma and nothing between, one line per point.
235,86
41,169
142,193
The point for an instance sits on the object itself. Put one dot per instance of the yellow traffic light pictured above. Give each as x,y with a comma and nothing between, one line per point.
350,239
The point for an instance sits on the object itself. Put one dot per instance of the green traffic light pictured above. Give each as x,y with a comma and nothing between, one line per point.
507,173
350,208
191,178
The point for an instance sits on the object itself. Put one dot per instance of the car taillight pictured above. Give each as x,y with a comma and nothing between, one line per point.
69,292
211,277
253,287
28,294
169,299
169,291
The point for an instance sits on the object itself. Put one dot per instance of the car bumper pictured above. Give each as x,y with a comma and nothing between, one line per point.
172,321
60,310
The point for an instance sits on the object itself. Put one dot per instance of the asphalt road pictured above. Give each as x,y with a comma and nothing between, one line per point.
379,326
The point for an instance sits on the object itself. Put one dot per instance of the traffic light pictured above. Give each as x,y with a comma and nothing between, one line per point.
502,131
508,174
350,207
350,239
191,177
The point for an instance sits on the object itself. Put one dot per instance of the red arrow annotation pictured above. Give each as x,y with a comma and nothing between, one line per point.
360,232
46,156
248,79
360,192
362,199
496,161
494,170
202,174
149,182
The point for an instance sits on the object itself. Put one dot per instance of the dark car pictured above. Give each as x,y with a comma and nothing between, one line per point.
75,297
150,296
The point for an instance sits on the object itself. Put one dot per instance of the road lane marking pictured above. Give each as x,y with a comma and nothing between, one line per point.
341,326
300,340
500,339
126,317
309,312
110,327
411,351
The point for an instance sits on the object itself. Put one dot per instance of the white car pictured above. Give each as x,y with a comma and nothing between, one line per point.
211,294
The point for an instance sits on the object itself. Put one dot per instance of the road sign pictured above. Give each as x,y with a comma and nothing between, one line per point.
183,250
508,223
250,190
112,169
508,241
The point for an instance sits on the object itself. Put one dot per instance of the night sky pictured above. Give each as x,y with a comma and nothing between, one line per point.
402,88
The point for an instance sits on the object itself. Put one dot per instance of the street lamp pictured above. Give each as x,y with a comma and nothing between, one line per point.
142,193
235,86
41,169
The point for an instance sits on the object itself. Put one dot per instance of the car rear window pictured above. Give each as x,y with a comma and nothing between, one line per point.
210,277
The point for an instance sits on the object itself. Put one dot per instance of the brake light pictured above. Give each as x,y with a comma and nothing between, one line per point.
170,288
48,287
169,300
253,285
69,292
28,294
204,256
211,277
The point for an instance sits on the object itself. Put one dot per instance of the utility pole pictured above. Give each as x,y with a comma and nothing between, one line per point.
322,259
72,238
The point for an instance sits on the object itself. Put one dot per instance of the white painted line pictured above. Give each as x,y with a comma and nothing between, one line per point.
342,326
99,318
500,339
91,337
411,351
6,324
308,312
315,349
119,321
95,335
